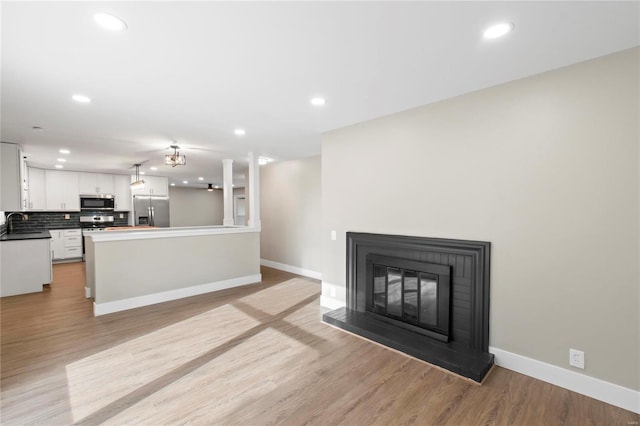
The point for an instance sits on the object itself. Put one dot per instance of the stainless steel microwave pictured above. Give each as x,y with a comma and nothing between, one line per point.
97,202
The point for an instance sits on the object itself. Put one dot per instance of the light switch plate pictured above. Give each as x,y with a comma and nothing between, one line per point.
333,235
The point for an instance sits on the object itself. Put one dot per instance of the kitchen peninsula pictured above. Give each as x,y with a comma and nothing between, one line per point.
132,268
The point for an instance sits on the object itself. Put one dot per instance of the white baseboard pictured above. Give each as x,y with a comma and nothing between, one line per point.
292,269
595,388
165,296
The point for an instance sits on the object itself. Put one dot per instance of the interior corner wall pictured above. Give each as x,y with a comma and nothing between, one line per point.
545,168
290,213
195,207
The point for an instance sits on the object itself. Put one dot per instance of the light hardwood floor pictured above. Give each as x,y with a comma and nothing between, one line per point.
256,355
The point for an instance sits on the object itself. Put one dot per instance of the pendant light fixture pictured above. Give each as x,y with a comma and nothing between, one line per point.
175,159
138,183
210,188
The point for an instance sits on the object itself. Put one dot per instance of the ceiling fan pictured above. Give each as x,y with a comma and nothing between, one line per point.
210,188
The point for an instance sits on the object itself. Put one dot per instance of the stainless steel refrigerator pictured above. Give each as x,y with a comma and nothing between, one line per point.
151,210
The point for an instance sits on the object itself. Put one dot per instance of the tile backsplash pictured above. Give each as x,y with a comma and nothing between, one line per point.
44,221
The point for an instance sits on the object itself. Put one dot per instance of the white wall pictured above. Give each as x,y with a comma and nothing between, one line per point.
291,214
195,207
545,168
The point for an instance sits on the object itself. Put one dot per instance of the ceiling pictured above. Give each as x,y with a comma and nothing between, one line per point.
193,72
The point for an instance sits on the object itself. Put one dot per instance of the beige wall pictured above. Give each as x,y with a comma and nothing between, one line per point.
195,207
149,266
547,169
291,213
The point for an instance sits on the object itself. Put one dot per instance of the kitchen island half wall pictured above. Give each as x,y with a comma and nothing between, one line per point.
129,269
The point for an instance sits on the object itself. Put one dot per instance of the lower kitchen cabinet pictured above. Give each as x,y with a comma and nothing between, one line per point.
25,265
66,244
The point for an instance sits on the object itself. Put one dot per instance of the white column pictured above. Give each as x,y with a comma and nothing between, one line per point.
227,191
254,192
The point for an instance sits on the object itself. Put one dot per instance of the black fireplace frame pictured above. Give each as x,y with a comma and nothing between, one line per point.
467,350
480,252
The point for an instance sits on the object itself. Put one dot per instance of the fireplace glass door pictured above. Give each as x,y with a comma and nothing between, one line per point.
415,294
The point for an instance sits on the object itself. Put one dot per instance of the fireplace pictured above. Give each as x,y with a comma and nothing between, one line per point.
427,297
410,294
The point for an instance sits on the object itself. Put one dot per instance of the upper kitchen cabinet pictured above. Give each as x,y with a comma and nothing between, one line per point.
153,185
95,183
12,178
122,193
37,189
62,190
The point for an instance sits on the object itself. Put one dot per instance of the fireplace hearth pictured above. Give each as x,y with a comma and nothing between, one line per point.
426,297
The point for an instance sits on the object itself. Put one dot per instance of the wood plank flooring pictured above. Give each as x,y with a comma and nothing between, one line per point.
256,355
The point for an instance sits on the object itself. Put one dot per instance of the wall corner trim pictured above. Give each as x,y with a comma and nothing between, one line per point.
331,297
292,269
331,303
166,296
610,393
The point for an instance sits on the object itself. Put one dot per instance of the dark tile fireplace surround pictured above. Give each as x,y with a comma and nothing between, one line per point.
426,297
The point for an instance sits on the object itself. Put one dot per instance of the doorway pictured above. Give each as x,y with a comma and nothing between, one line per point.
239,210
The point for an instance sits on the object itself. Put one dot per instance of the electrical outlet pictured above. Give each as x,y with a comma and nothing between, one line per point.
26,216
67,216
121,215
576,358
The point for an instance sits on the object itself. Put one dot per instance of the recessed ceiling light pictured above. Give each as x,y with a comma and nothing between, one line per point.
200,178
318,101
498,30
142,173
64,151
110,22
61,160
185,182
59,166
216,187
81,98
173,184
263,160
153,168
239,132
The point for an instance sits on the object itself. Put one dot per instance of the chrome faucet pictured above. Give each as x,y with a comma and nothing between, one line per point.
10,222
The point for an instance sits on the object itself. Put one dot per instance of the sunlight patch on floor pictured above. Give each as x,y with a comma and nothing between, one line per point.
282,296
129,380
105,377
215,392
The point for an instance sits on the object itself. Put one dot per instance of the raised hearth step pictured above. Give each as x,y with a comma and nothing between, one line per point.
468,363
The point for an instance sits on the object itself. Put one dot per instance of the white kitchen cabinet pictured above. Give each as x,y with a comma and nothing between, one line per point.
37,189
153,185
57,244
122,192
95,183
25,265
62,191
12,180
66,244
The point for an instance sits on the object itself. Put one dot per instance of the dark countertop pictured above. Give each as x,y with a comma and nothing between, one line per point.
18,236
